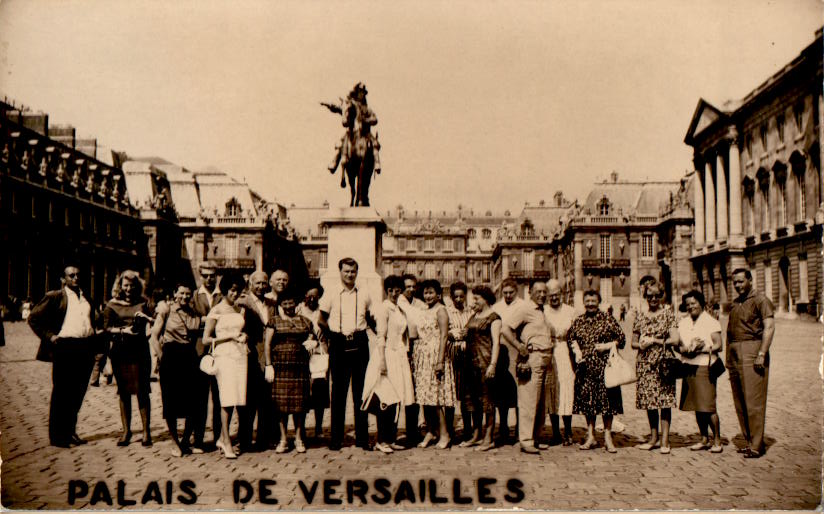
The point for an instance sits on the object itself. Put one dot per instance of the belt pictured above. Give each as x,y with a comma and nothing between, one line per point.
746,341
530,348
349,339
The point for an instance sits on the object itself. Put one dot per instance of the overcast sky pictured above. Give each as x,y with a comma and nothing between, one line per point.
487,104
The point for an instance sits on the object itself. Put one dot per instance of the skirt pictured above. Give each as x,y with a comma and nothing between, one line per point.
319,393
232,366
697,390
290,389
131,365
564,386
178,372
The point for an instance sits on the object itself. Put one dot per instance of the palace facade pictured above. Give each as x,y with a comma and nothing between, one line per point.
758,188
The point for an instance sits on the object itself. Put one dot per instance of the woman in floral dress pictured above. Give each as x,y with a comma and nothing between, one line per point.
434,379
591,337
654,335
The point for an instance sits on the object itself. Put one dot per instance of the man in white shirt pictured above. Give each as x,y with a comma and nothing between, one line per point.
459,314
509,302
343,318
278,283
64,321
562,382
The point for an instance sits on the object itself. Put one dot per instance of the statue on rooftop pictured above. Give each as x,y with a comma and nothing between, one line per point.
358,150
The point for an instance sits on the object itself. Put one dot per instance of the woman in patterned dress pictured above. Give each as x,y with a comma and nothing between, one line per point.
483,345
125,319
434,380
591,337
654,335
289,339
224,330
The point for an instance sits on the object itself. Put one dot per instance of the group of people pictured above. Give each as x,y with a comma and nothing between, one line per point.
267,352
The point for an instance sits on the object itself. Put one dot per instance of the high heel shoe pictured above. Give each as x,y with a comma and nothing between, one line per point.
228,451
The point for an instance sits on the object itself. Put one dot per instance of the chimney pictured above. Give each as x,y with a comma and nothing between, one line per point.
614,176
559,198
63,134
38,122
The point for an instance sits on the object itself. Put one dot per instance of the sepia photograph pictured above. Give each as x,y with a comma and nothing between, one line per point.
411,256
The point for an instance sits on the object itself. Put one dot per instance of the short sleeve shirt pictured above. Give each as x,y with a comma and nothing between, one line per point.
747,317
703,328
529,316
346,309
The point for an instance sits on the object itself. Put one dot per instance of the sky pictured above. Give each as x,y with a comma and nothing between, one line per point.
486,104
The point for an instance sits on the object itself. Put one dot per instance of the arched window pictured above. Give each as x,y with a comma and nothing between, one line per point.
603,207
749,195
799,170
232,208
470,234
780,176
487,233
764,189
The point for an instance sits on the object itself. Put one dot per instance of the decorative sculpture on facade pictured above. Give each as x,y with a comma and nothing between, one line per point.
358,150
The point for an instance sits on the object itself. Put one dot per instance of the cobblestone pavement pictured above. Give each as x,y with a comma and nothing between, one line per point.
36,475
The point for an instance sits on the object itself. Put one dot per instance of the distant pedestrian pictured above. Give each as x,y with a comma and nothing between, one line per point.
125,319
623,312
700,343
64,322
749,335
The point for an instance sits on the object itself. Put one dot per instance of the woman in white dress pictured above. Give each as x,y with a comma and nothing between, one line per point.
389,359
224,330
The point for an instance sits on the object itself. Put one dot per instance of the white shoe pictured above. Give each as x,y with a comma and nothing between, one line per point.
384,448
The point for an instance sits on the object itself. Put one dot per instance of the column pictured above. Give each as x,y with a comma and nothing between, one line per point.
721,184
698,208
709,201
578,255
734,166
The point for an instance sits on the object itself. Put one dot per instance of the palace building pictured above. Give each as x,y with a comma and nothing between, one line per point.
758,187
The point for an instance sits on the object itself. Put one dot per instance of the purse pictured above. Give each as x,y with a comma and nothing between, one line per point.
208,364
618,371
318,365
717,368
671,366
522,369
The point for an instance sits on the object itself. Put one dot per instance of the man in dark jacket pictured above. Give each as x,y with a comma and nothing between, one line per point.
64,321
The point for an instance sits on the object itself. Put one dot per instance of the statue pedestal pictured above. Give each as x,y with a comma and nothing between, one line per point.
355,232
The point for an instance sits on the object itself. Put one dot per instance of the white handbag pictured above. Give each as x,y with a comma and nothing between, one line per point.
618,371
318,365
208,364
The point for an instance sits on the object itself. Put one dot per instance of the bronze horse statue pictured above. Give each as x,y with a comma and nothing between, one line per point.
358,148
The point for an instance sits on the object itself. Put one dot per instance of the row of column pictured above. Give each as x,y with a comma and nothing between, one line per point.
715,217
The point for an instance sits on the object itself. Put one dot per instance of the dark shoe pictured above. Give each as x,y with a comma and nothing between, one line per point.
529,449
61,444
109,379
365,447
745,449
76,439
556,440
124,439
568,441
335,447
752,454
147,441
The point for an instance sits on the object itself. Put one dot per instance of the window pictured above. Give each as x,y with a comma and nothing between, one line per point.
323,256
798,113
751,220
387,269
457,245
646,246
410,269
232,208
603,207
782,203
470,233
605,252
401,244
765,209
748,144
230,248
438,244
529,261
448,271
486,272
430,270
487,233
763,136
802,196
420,244
779,125
429,244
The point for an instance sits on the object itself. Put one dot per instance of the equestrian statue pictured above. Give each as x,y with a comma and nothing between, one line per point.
358,148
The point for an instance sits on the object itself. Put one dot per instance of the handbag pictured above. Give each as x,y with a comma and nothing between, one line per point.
617,371
208,364
717,368
318,365
671,366
522,369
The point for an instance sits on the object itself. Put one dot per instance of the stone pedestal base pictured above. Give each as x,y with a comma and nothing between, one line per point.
355,232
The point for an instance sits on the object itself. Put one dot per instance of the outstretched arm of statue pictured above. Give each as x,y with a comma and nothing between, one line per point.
332,107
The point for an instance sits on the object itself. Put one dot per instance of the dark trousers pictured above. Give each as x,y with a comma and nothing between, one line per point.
749,390
206,385
347,361
71,369
258,403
